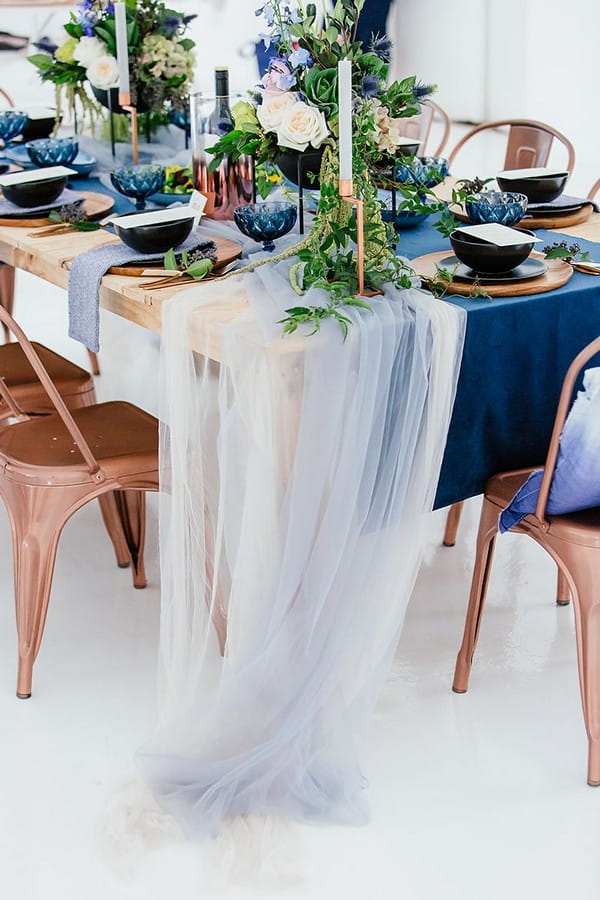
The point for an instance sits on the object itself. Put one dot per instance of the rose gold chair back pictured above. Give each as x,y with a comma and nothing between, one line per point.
594,190
528,145
51,466
7,282
573,541
419,127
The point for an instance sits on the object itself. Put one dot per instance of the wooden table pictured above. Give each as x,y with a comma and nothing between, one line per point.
50,259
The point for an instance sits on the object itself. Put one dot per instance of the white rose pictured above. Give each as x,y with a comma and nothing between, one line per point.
302,125
271,110
103,72
88,49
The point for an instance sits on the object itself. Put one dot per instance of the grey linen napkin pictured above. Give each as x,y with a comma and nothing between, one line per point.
8,209
87,270
564,202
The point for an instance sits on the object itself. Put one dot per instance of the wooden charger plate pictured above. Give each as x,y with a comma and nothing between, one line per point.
95,206
566,220
558,274
227,251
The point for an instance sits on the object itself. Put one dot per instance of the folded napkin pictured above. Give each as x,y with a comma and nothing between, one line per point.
10,210
87,270
563,203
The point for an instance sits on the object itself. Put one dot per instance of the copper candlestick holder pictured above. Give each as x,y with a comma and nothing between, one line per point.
346,193
125,103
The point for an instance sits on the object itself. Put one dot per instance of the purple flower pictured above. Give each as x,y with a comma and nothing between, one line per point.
300,57
269,38
267,12
420,90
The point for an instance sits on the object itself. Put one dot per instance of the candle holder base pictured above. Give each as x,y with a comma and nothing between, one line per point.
126,105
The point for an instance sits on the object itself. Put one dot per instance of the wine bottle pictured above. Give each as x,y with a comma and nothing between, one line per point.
221,120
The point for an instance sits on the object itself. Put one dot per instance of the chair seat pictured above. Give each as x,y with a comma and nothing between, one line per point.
122,437
15,368
581,527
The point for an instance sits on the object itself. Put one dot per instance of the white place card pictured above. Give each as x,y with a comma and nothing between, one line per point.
197,204
540,172
36,175
154,217
500,235
404,141
40,112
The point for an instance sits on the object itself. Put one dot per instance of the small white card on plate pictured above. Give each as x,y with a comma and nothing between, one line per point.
197,204
540,172
35,175
500,235
154,217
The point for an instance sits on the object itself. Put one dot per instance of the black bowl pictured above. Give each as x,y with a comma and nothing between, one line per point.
541,189
489,259
42,127
310,167
156,237
35,193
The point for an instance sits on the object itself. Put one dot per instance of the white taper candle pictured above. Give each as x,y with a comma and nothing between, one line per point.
345,118
122,48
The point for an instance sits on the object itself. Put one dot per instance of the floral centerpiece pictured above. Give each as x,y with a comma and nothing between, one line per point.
161,57
294,109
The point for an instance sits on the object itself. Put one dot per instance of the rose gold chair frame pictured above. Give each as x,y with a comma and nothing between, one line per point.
41,491
419,127
573,541
594,190
7,273
529,143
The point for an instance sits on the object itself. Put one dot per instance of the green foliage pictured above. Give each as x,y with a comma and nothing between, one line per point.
194,268
570,253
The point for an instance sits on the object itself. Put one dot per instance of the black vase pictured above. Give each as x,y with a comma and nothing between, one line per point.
103,96
310,165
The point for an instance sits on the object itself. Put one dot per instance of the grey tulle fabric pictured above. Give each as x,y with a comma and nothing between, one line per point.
297,478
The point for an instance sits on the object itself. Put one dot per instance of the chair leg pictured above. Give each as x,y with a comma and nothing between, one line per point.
94,362
583,564
486,537
452,523
114,527
563,592
131,506
37,518
7,294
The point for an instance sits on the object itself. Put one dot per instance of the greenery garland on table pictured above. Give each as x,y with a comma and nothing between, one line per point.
296,107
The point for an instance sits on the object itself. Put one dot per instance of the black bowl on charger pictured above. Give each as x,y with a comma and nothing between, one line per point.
539,189
40,124
155,237
35,193
489,259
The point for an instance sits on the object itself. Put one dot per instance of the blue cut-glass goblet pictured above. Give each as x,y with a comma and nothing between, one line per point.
12,123
52,151
138,182
266,221
503,207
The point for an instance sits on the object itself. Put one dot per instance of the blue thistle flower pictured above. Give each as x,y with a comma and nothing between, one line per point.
421,90
381,46
369,86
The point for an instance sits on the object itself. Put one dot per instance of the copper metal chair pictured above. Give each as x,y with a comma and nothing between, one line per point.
419,127
7,274
51,466
529,143
594,190
76,387
573,541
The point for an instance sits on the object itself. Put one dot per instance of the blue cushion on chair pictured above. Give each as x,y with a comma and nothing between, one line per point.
576,482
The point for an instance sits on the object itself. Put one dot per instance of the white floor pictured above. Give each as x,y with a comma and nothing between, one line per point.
474,796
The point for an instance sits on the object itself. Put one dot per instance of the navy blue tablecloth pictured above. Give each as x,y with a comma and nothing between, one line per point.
517,351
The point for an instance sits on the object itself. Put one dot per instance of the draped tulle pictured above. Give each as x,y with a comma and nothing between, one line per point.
297,477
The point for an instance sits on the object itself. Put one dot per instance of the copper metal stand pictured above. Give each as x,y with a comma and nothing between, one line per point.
346,192
125,103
